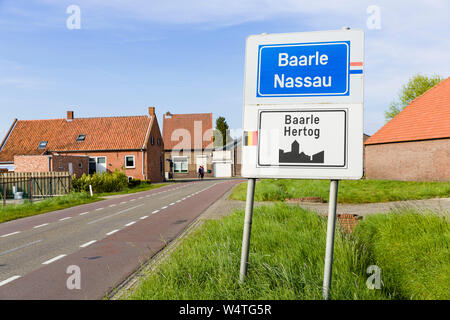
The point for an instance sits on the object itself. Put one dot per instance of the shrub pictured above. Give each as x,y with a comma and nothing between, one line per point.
101,182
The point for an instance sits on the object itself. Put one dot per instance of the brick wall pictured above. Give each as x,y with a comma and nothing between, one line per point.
60,163
409,161
116,160
31,163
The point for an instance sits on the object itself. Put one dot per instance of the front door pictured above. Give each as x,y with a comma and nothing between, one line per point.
101,164
201,161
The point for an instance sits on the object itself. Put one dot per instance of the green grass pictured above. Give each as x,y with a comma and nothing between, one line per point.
412,250
12,212
139,188
350,191
286,261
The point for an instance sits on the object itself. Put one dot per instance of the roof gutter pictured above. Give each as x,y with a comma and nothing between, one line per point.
8,134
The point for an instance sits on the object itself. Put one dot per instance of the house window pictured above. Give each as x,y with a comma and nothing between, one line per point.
129,162
81,137
180,164
42,145
80,165
152,140
158,141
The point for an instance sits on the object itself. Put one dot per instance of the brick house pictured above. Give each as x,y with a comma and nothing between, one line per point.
415,144
188,143
86,145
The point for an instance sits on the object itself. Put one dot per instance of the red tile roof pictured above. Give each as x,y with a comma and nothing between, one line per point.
188,131
426,117
109,133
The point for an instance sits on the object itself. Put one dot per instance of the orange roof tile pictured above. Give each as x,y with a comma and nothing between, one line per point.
188,131
426,117
108,133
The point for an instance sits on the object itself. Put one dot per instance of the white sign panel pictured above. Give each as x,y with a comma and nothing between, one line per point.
303,109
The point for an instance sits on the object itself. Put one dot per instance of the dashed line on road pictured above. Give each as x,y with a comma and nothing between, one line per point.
82,214
88,244
54,259
144,217
129,224
111,232
165,207
156,211
41,225
10,234
9,280
98,209
66,218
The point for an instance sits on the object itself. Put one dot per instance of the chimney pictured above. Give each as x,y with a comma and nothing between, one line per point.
167,115
69,115
151,111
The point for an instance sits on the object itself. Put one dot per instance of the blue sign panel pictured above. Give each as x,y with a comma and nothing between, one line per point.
304,69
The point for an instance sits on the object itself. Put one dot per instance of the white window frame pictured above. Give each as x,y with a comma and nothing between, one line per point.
177,159
134,162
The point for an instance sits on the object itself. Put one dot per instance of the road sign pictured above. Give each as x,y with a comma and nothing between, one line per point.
303,117
303,105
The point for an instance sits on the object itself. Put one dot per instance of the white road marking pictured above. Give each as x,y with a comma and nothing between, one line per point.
129,224
132,200
9,280
21,247
111,215
41,225
183,198
172,204
88,243
81,214
144,217
141,198
66,218
99,209
10,234
110,233
113,205
54,259
123,202
165,207
178,201
155,211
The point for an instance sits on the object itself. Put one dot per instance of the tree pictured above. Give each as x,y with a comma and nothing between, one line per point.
416,86
221,134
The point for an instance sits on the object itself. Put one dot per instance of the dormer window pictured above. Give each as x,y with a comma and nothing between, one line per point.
42,145
81,137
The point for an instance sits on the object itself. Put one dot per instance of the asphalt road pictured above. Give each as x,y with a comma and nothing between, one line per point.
102,242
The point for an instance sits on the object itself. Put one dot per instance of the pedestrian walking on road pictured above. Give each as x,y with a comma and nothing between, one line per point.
202,172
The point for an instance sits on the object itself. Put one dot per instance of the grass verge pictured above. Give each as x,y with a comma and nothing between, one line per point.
413,251
286,261
350,191
12,212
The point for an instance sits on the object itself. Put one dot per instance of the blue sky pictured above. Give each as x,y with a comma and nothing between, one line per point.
188,56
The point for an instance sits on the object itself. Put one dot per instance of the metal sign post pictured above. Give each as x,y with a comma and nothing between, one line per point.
247,228
330,238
